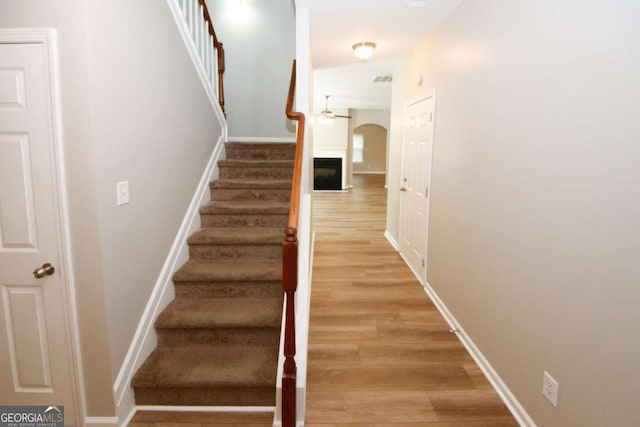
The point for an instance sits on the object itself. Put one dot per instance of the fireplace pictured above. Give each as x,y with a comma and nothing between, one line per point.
327,173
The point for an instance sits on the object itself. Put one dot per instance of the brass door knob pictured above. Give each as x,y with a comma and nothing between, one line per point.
46,270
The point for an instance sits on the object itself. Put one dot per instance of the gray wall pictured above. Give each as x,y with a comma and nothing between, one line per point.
133,110
154,127
259,54
534,234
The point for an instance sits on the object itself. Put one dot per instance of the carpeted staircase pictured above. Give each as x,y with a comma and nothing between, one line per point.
218,340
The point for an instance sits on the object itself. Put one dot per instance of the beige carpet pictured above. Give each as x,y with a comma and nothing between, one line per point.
218,340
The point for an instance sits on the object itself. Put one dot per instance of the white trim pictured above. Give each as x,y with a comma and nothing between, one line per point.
261,140
303,302
519,413
369,173
392,240
48,38
145,338
125,419
101,422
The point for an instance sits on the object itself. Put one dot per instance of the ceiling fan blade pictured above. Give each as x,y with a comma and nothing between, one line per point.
330,114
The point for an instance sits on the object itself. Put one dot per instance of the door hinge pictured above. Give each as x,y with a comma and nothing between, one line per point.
430,117
426,192
423,262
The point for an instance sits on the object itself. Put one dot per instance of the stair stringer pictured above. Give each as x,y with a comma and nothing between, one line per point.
145,338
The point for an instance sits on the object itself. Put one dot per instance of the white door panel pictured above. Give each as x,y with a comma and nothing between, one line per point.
35,359
416,173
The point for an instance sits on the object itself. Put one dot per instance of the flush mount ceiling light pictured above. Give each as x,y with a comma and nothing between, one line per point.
364,50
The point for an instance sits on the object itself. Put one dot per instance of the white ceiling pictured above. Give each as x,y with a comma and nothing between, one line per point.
336,25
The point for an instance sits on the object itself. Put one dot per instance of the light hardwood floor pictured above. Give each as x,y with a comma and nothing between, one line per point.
380,354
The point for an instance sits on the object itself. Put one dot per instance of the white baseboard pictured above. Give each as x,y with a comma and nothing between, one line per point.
369,172
259,140
518,412
101,422
391,240
145,338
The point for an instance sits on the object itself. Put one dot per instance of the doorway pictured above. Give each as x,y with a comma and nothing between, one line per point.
369,149
37,358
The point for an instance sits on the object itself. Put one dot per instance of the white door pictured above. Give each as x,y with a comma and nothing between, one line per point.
35,353
416,175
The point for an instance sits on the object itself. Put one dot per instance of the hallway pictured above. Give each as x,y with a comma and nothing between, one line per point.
379,351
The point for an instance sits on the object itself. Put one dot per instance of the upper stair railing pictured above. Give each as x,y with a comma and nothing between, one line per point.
209,49
290,268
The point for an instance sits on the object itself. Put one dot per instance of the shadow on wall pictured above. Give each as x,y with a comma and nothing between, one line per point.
369,149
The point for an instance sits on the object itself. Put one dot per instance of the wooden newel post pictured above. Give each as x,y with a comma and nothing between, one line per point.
290,284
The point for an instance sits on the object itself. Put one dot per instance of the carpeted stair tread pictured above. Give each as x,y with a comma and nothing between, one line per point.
260,151
212,270
209,366
244,207
257,184
261,145
237,236
218,340
221,312
256,163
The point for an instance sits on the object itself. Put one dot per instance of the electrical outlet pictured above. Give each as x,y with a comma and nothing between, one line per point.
122,188
550,388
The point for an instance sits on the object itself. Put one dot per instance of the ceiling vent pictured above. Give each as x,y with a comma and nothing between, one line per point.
381,79
417,3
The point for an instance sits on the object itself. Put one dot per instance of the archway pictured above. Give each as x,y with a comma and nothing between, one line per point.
368,149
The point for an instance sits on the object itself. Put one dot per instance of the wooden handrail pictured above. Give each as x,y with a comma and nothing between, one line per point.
219,47
290,267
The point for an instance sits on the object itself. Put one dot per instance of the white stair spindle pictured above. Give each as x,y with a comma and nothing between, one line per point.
204,31
207,61
193,23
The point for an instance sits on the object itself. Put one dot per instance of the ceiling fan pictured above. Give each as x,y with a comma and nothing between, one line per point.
330,114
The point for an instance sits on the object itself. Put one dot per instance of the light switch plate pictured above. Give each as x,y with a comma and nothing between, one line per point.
123,192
